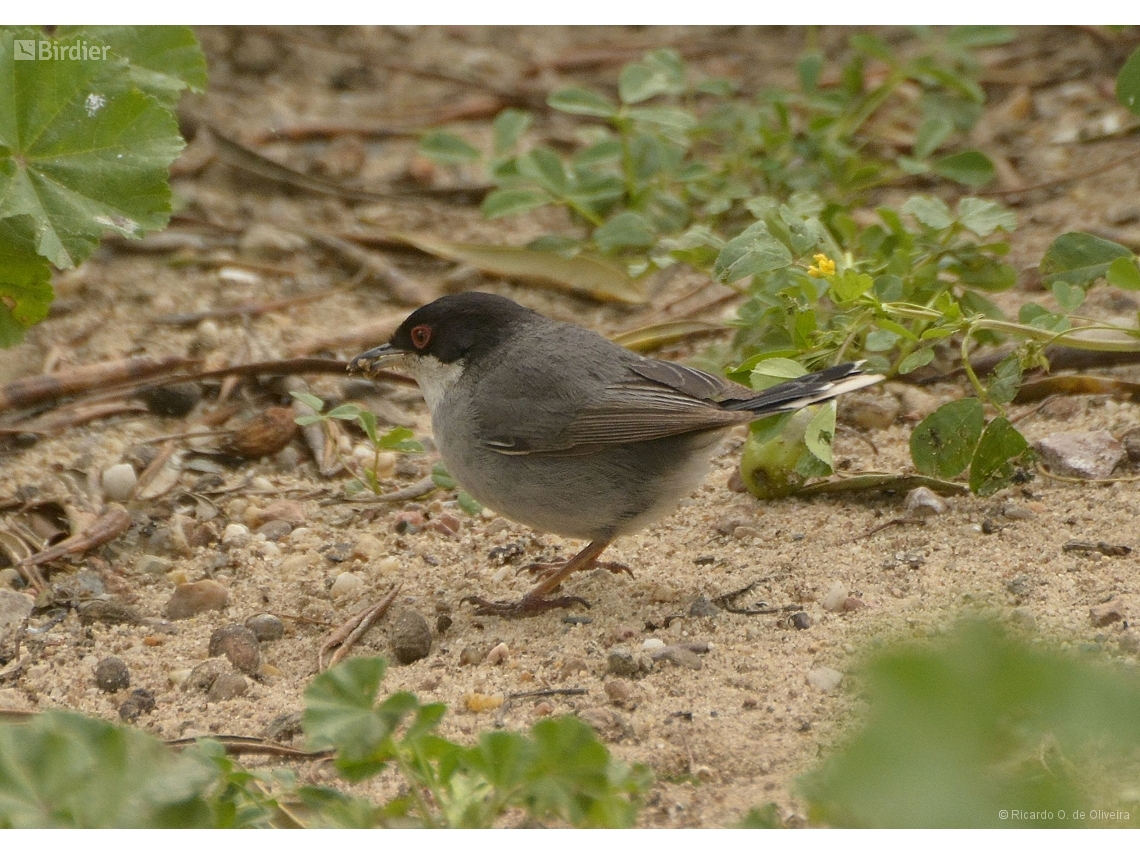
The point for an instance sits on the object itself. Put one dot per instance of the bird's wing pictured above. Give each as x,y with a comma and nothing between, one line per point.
653,400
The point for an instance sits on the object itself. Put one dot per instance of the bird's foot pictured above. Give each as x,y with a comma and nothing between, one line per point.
527,606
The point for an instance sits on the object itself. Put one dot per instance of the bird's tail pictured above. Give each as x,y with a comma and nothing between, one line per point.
809,389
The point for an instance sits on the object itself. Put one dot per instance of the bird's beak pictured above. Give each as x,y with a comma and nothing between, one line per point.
373,360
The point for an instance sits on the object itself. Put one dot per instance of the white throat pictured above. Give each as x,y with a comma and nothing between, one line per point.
436,378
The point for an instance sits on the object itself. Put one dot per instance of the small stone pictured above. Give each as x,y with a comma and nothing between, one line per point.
543,708
679,656
15,608
801,620
153,565
477,702
472,655
619,691
824,679
204,674
621,662
608,724
1131,442
119,482
285,510
652,644
274,530
266,627
572,668
347,585
140,701
443,623
284,728
368,547
227,687
498,654
853,604
111,674
833,600
1103,614
270,242
235,536
108,612
703,607
411,637
408,522
176,399
389,565
1014,511
207,337
193,598
924,502
239,645
869,410
1080,454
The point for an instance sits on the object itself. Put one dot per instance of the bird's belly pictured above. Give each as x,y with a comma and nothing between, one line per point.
597,496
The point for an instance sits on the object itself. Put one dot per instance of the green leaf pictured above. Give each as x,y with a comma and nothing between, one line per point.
309,400
820,434
510,203
442,478
983,217
666,117
850,285
164,60
929,211
1038,316
1005,380
995,461
933,131
943,443
508,128
916,359
661,72
446,148
61,769
400,439
582,102
81,151
966,167
1068,297
627,230
468,503
344,412
545,167
753,251
1128,83
1123,273
25,281
1080,259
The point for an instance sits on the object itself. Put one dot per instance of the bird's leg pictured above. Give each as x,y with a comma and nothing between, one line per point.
535,601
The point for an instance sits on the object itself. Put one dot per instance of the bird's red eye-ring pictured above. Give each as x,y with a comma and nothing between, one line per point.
421,335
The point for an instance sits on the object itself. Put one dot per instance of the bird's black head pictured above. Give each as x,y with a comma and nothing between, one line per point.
458,326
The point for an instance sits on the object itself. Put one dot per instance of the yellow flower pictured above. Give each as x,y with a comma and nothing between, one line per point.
823,266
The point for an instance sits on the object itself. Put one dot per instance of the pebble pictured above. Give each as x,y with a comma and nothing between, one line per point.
1081,454
111,674
443,623
235,536
238,644
15,608
389,565
572,668
621,662
608,724
619,691
1131,442
652,644
679,655
227,687
1014,511
153,565
107,611
703,607
924,502
193,598
498,654
368,547
176,399
1103,614
869,410
119,482
833,600
543,708
801,620
266,627
283,510
472,655
477,702
203,675
207,337
853,604
824,679
408,522
284,728
274,530
138,702
411,637
347,585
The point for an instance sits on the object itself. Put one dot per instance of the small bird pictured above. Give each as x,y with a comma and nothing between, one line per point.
554,426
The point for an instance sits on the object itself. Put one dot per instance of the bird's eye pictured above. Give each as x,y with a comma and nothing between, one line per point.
421,335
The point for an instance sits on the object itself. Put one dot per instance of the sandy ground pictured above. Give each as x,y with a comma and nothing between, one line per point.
731,735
